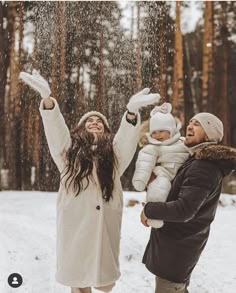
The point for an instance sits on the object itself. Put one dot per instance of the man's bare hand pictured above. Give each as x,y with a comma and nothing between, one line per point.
143,218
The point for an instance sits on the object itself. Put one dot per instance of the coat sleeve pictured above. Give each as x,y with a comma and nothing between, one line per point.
125,143
57,133
144,166
196,187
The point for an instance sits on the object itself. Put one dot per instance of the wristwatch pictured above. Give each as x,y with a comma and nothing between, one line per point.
132,121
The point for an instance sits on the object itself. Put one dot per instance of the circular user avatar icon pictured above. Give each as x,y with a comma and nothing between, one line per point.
15,280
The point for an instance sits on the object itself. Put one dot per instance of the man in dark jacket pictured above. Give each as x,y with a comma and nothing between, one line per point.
173,251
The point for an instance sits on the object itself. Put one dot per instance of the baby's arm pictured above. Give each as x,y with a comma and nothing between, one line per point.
159,188
157,191
145,164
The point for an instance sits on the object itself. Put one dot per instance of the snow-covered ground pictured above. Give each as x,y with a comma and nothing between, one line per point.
27,246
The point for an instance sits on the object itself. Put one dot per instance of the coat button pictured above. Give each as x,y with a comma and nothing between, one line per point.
98,207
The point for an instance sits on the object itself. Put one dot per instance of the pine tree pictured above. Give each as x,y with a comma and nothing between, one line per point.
2,93
177,96
139,51
207,70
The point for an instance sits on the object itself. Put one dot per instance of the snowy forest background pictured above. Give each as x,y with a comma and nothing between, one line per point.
92,61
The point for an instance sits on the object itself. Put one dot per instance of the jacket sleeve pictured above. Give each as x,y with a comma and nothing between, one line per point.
196,187
57,133
125,143
144,166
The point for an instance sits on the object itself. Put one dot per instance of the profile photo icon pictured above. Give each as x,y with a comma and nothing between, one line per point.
15,280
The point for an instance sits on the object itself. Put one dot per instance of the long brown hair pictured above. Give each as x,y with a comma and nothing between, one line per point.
144,128
81,157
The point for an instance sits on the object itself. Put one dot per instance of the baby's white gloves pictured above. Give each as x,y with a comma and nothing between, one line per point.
142,99
37,82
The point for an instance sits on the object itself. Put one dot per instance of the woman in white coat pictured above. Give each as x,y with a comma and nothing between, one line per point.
90,202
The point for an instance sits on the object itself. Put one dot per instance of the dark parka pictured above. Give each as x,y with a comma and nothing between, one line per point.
173,251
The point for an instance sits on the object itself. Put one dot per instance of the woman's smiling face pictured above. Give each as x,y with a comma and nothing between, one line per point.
94,124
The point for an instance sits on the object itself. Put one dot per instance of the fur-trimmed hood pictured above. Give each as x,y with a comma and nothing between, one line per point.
224,156
216,152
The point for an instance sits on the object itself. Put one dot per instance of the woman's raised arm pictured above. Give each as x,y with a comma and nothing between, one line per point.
57,133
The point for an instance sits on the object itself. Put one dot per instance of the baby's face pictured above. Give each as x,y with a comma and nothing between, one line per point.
160,135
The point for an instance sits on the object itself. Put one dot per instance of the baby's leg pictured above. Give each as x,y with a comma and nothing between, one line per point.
158,191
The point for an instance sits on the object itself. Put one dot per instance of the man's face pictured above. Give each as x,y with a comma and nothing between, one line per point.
94,124
195,134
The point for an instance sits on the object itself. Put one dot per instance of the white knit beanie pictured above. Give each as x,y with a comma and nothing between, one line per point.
94,113
212,126
161,121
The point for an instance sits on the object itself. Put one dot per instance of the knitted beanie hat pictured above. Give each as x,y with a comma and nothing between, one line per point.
212,126
94,113
163,119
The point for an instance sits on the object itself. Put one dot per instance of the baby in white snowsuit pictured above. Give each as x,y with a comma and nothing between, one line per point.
163,154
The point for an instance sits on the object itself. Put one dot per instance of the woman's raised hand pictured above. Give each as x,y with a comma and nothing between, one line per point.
142,99
37,82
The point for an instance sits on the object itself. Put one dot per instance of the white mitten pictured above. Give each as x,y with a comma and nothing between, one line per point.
142,99
37,82
139,185
155,223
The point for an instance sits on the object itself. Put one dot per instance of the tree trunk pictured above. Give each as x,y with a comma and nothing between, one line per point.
207,57
99,103
13,139
55,58
190,103
139,52
2,94
35,177
79,90
211,64
7,11
62,50
224,109
177,96
162,74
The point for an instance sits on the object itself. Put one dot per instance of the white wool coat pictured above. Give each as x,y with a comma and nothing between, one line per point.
88,228
164,161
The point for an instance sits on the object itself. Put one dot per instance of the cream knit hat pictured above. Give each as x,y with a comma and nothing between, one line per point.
212,126
162,119
94,113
